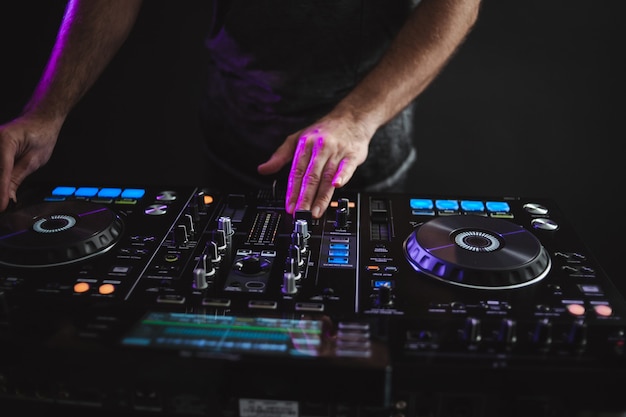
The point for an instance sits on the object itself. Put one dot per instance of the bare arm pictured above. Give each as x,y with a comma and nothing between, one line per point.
426,42
326,154
91,33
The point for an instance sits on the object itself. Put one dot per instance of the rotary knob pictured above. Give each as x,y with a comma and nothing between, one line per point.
507,333
251,265
384,297
341,218
289,283
471,332
542,334
577,336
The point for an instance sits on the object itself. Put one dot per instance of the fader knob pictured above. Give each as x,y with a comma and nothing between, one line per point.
213,252
577,336
507,333
251,265
289,283
199,279
344,204
219,237
189,224
542,335
292,266
296,254
206,264
297,240
304,215
341,218
292,263
471,333
224,223
384,296
302,228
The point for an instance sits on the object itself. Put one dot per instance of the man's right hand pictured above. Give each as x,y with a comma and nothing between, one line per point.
26,144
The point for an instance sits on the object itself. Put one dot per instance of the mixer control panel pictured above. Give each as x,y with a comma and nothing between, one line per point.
156,283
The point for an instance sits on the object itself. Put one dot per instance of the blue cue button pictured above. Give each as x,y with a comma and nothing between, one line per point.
63,191
421,204
86,192
498,206
135,193
472,205
109,192
447,204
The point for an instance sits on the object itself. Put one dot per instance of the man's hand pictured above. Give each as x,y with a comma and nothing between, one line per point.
323,156
25,146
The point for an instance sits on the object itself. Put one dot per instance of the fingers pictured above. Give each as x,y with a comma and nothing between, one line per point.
346,169
8,186
299,165
24,147
317,169
317,190
323,157
313,174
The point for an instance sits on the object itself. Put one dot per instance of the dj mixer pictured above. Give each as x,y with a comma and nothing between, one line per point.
193,301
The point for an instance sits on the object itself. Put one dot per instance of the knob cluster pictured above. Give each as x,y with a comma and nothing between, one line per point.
211,256
297,253
540,336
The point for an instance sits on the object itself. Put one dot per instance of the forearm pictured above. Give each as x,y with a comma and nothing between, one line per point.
425,43
90,34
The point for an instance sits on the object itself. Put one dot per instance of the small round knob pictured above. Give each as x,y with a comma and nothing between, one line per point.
341,218
289,283
577,336
507,334
251,265
471,331
199,279
384,297
542,335
224,223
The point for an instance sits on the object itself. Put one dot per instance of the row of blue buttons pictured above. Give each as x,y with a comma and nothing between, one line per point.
466,205
107,192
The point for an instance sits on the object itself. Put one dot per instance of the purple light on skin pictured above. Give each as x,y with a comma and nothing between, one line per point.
53,63
319,145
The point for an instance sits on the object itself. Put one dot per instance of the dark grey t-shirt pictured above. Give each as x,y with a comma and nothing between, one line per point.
278,65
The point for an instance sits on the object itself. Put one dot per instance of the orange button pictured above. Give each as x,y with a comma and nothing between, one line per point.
335,204
106,289
603,310
81,287
576,309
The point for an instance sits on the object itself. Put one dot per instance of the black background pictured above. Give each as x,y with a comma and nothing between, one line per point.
531,105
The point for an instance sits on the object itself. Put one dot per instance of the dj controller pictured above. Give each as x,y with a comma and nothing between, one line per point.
193,301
